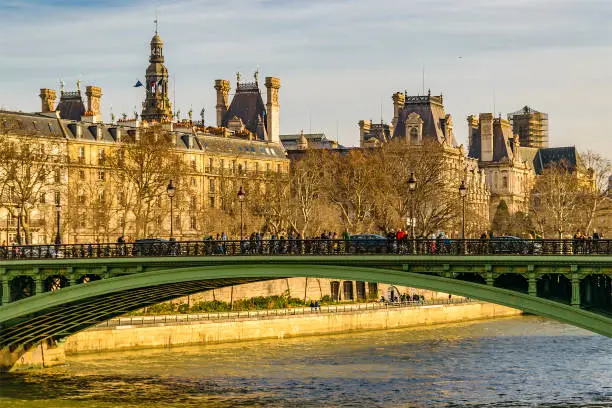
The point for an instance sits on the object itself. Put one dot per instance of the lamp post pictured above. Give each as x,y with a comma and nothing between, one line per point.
171,190
412,183
241,197
18,237
58,237
463,192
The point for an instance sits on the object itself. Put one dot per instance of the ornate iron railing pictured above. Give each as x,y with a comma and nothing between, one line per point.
281,247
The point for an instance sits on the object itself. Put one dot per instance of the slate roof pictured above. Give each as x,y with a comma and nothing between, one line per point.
47,124
567,155
247,104
71,106
431,110
30,123
315,140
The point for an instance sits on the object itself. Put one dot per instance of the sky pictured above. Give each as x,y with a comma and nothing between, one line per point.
339,61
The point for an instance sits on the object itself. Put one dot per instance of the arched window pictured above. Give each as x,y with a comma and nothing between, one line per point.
505,181
414,134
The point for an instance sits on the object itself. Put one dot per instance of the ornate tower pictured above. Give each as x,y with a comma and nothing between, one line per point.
272,86
156,106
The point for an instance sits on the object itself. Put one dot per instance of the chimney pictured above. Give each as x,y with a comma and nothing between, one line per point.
472,129
47,97
486,136
364,128
223,87
272,86
93,101
398,103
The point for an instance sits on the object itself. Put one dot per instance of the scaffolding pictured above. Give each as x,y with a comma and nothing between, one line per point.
531,126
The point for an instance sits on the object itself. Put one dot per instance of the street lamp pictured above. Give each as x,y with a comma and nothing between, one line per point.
463,191
18,237
171,190
58,237
241,197
412,184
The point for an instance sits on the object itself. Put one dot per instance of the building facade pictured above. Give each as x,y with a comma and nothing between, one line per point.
79,179
419,120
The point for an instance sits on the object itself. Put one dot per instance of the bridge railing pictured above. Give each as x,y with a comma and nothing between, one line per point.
280,247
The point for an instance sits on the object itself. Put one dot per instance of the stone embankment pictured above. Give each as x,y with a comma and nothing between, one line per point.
212,328
175,330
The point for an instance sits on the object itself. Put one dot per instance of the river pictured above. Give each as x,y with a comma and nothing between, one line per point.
512,362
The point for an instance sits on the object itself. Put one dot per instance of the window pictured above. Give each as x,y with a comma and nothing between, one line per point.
192,222
83,221
278,168
81,154
222,164
212,201
101,156
56,175
257,167
120,157
194,183
414,134
505,181
193,202
81,198
211,186
121,198
81,174
43,198
58,197
193,163
101,175
211,163
268,167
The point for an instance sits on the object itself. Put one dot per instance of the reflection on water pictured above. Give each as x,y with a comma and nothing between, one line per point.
516,362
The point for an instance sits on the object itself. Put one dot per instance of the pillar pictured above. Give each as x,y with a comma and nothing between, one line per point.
575,291
72,280
489,275
354,290
6,290
533,287
39,284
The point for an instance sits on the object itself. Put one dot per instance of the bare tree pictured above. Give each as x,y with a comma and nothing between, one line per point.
147,160
307,183
600,169
556,201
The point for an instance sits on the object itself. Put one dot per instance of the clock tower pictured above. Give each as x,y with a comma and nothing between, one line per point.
156,106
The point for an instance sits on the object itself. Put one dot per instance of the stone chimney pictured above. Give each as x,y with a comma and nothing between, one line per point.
47,97
223,87
364,128
486,136
93,102
398,103
472,129
272,106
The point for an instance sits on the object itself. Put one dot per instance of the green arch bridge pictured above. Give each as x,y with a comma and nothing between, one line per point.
48,299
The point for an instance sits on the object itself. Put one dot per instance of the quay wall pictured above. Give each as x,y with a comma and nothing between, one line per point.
102,339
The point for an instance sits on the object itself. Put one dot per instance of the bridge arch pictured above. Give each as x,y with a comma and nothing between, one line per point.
72,309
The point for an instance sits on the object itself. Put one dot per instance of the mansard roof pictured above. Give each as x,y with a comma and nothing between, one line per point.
71,105
431,110
247,104
568,156
48,125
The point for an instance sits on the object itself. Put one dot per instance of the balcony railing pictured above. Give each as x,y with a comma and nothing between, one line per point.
284,247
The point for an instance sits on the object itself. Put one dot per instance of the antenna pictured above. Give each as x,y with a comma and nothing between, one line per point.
155,21
310,123
494,102
423,79
174,92
381,115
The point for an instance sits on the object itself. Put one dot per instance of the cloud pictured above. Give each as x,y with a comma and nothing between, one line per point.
337,59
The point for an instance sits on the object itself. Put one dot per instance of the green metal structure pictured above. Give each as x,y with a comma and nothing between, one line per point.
67,296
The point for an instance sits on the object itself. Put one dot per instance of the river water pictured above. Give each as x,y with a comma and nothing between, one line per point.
512,362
